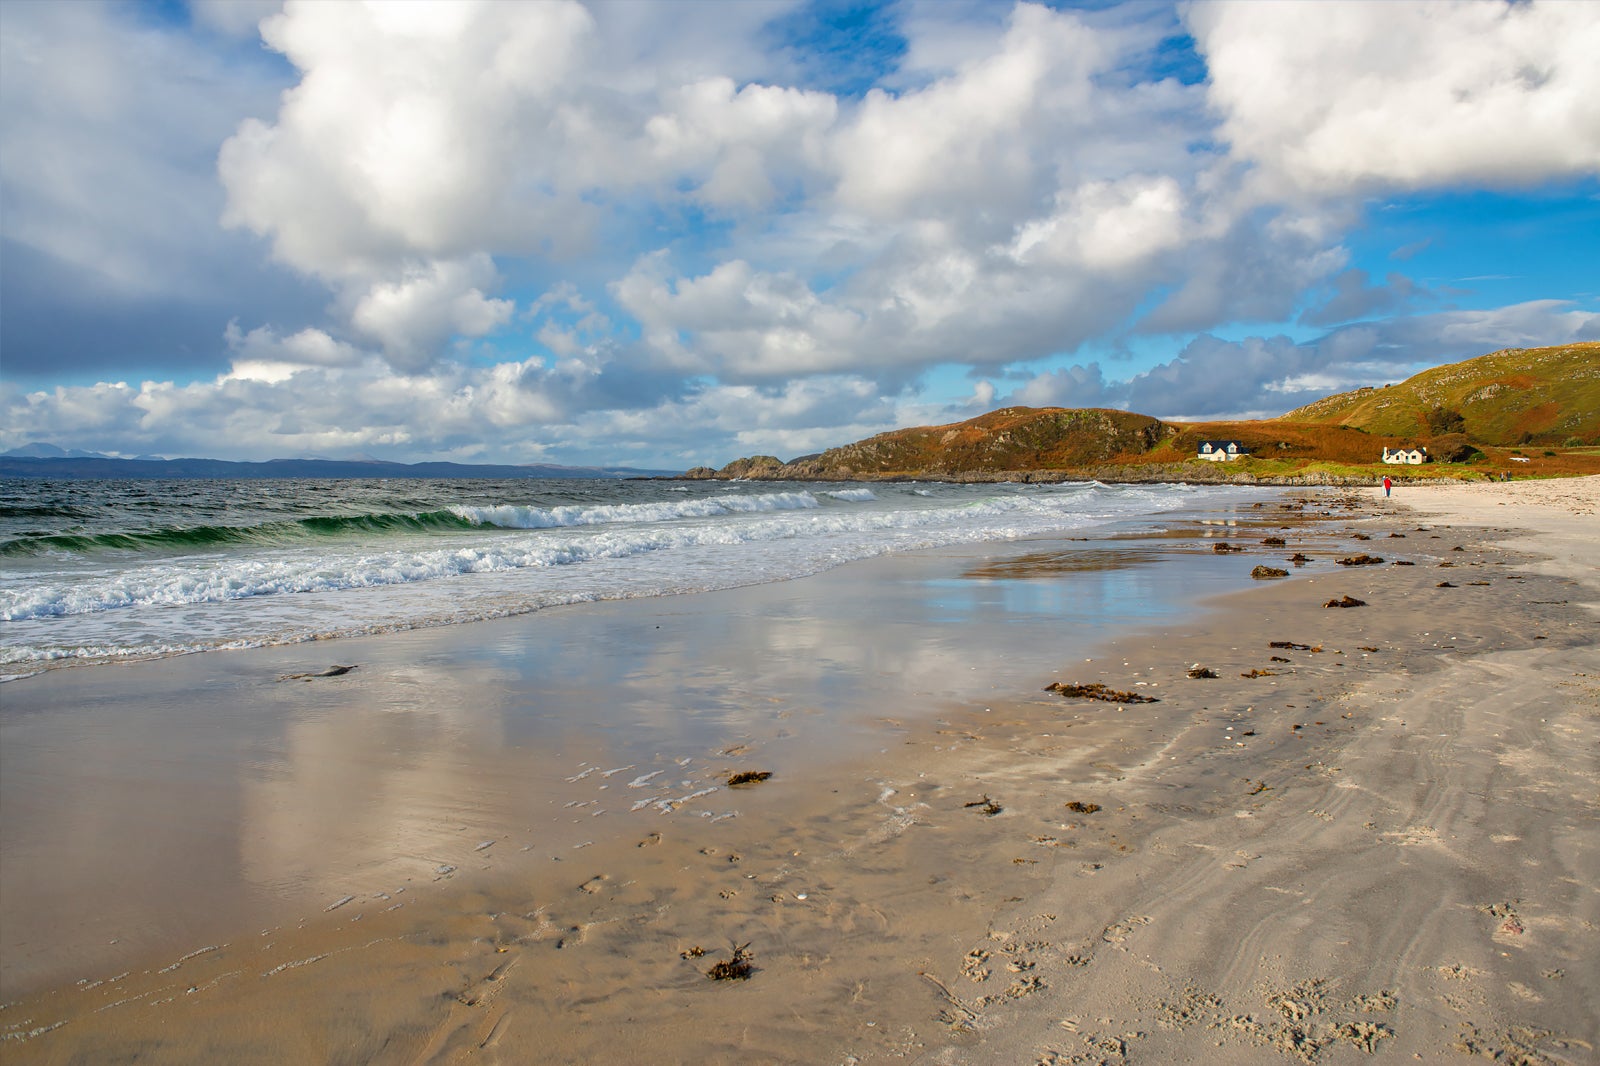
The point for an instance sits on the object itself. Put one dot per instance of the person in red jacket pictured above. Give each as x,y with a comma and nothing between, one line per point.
1387,485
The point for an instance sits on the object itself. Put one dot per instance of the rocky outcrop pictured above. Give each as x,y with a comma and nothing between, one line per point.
756,467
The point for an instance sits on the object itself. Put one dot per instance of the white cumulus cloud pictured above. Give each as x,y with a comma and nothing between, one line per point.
1330,97
414,316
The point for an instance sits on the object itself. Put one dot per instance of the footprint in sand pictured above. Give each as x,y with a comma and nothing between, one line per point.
483,991
1117,932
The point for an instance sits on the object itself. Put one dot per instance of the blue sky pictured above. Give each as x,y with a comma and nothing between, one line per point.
673,234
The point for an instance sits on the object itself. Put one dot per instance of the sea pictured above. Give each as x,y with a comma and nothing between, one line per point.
108,571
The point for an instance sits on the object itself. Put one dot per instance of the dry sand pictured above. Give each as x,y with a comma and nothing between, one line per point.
1382,844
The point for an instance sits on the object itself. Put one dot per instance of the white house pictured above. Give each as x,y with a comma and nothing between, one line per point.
1408,456
1219,451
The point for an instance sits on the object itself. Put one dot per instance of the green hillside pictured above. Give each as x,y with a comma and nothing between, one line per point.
1516,396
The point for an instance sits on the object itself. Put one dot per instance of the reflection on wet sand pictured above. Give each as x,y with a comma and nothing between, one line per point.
1069,561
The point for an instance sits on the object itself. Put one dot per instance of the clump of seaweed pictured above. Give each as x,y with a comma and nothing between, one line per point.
1444,585
1258,672
736,968
1224,546
1299,558
1292,646
1198,671
1263,573
1346,601
332,671
1361,560
985,805
1096,691
1274,542
748,777
1077,807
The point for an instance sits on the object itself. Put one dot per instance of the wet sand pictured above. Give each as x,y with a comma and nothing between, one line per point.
1380,843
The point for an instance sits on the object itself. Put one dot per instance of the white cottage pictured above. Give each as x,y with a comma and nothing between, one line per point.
1220,451
1407,456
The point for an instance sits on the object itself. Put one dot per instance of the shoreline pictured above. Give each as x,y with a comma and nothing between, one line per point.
895,920
457,555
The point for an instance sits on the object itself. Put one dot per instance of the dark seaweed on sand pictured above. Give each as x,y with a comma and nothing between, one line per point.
1078,807
332,671
1096,691
1346,601
737,968
748,777
986,805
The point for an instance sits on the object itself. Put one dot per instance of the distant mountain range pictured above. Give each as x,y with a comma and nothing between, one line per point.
38,450
46,460
1539,398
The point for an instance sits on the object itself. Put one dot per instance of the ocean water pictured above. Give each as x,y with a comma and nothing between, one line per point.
102,571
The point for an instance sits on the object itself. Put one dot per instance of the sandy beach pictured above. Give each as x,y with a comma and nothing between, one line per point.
1372,835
